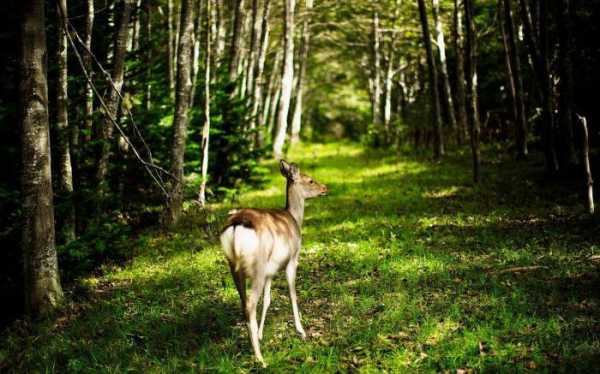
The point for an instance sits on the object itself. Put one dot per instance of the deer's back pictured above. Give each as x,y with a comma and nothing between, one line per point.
260,239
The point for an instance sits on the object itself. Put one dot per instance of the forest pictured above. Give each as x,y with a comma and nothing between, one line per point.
156,155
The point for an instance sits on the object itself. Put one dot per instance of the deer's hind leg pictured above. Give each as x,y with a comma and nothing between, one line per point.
258,284
240,284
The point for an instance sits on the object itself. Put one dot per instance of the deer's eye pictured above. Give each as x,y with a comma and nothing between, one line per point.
311,182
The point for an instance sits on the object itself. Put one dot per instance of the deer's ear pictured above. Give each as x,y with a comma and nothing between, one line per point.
289,170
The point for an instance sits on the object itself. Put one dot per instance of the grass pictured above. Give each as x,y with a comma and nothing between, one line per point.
403,269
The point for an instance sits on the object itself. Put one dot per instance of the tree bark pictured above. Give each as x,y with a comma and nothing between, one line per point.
87,60
236,40
206,128
304,49
43,291
180,120
112,100
461,101
438,140
472,100
585,161
376,76
170,47
65,170
254,49
567,90
387,94
287,79
441,46
147,55
196,41
515,65
272,95
257,92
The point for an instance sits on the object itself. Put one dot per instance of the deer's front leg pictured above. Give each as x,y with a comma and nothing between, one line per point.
290,272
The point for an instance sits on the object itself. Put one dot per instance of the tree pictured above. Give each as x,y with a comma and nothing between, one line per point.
87,58
304,48
472,98
515,80
441,46
180,121
461,101
567,89
287,79
376,74
438,142
258,82
113,97
43,291
206,128
65,170
236,40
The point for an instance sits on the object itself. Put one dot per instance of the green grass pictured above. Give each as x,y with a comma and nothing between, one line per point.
400,271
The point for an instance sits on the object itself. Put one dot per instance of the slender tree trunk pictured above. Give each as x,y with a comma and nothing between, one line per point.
275,99
254,49
206,127
219,30
441,46
304,49
539,55
376,78
112,100
287,79
387,94
438,142
461,101
236,40
180,120
472,100
257,91
507,61
519,100
87,60
272,96
585,161
567,90
147,55
170,47
43,291
135,36
197,36
65,170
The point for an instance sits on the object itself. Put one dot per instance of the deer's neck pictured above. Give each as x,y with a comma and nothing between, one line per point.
294,203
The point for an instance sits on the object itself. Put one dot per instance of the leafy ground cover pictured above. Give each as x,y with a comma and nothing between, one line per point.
406,266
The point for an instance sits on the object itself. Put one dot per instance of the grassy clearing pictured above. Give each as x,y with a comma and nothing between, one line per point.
401,270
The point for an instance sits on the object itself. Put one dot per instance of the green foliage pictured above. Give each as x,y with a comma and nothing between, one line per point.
233,157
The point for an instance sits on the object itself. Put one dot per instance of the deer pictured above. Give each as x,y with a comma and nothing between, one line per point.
258,243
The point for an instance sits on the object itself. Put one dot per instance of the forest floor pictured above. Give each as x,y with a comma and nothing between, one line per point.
405,266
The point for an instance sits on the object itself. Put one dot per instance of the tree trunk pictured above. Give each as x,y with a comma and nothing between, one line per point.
304,48
257,91
441,46
272,94
112,100
254,49
287,79
376,77
65,170
461,101
472,101
387,94
219,31
180,120
585,161
147,55
43,291
196,41
438,142
519,100
567,90
170,47
206,127
236,40
87,60
539,55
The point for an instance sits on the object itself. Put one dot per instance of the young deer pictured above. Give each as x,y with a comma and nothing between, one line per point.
260,242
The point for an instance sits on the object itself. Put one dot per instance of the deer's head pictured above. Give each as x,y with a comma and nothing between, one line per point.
304,184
